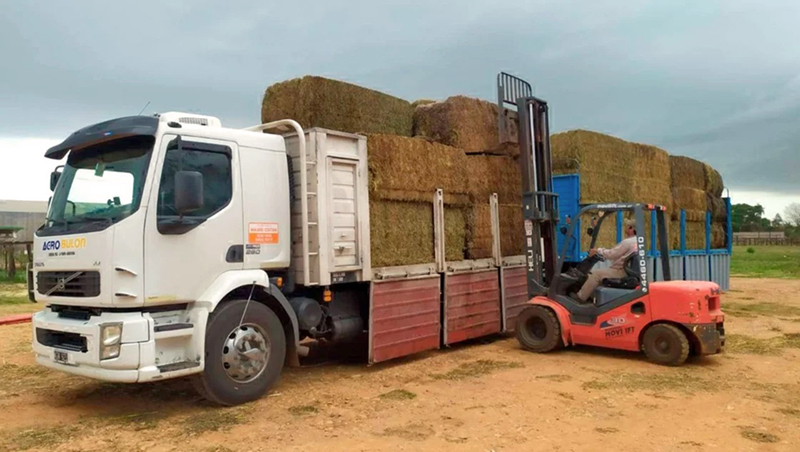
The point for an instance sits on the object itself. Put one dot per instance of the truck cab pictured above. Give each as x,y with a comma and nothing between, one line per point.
153,221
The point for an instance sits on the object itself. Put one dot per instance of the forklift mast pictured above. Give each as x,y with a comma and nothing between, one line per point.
540,203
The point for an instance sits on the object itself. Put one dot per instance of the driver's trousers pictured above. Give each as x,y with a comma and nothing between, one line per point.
595,278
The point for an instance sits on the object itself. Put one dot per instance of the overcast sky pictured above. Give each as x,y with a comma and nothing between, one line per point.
714,80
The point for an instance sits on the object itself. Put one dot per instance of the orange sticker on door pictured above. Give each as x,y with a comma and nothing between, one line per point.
262,233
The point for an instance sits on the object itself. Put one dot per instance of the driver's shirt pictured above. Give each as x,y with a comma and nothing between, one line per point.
619,253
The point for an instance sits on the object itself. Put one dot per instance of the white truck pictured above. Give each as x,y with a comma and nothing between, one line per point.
174,246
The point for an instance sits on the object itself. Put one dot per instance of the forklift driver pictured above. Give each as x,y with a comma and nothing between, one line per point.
616,255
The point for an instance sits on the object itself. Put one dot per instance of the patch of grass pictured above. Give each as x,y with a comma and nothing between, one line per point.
212,420
40,437
789,411
398,394
304,410
137,421
412,432
14,372
761,308
555,377
741,343
13,293
766,262
566,395
677,381
606,430
19,276
477,369
758,436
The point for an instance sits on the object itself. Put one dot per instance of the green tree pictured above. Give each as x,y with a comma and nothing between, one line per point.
745,217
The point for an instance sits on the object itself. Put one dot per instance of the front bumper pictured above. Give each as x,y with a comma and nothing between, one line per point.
710,336
137,360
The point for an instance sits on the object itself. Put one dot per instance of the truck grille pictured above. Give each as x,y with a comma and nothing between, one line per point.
64,284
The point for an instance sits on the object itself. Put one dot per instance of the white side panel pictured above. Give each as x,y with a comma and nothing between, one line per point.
265,189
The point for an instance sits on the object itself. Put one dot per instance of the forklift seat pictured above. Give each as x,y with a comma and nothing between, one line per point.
631,279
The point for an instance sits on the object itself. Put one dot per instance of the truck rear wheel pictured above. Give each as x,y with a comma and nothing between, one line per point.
244,356
665,344
538,329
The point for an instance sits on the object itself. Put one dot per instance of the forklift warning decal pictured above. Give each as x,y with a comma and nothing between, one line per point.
262,233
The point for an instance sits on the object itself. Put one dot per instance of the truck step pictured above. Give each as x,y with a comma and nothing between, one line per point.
172,327
178,366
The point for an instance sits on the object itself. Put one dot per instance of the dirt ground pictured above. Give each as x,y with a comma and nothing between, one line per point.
482,396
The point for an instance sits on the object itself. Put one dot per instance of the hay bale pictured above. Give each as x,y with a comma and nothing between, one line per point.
455,233
320,102
411,169
479,231
689,199
687,172
718,235
695,235
716,206
463,122
401,233
611,169
487,174
714,183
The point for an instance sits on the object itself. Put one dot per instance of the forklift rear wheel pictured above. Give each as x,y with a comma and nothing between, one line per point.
538,330
665,344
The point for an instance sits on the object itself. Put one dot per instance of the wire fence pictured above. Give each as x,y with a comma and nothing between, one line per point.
766,241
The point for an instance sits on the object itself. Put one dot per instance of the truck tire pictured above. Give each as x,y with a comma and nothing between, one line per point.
665,344
538,330
243,357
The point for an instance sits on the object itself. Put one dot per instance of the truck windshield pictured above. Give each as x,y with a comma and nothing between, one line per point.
99,186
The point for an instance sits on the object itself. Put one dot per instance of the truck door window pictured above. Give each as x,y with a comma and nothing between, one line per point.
212,161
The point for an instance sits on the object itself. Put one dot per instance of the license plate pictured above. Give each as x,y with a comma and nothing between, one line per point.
61,357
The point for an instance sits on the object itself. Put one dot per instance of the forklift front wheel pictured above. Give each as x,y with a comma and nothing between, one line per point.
538,330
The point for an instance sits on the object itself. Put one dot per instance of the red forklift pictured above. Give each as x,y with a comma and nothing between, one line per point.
668,320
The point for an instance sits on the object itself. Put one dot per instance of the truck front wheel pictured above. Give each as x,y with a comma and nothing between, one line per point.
244,353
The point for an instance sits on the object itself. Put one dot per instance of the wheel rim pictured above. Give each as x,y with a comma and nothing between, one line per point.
245,353
662,345
535,329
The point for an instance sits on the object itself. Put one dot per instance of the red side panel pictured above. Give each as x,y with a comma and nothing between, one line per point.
515,294
472,305
404,317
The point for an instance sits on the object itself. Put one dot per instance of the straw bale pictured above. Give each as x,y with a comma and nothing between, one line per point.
714,183
401,233
695,235
489,174
687,172
463,122
611,169
411,169
419,102
689,198
479,231
718,235
320,102
716,206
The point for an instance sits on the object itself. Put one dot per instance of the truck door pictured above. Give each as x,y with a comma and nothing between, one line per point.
184,255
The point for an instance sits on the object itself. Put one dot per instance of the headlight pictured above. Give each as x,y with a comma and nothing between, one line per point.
110,338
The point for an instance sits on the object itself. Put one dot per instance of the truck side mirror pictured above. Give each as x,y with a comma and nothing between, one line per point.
54,176
188,194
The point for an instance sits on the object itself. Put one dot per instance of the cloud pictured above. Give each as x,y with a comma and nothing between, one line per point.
714,80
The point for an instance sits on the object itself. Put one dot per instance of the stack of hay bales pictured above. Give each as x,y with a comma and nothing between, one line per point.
697,188
612,170
471,125
331,104
404,173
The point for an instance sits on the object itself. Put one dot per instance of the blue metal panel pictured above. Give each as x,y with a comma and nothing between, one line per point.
568,187
675,268
696,267
683,231
721,270
653,233
620,218
729,225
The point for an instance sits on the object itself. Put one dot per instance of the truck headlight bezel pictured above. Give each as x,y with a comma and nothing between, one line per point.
110,340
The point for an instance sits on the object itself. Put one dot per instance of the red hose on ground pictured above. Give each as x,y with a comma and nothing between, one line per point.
15,319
